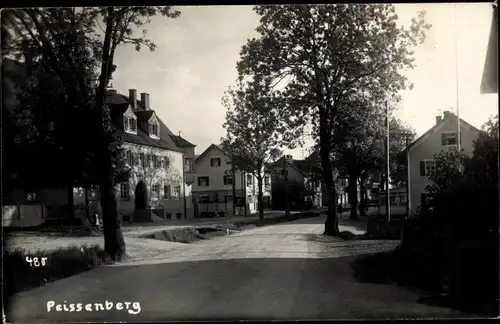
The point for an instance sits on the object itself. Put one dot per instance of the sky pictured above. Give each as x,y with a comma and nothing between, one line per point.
195,63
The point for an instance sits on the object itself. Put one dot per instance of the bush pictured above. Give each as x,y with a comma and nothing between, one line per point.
66,262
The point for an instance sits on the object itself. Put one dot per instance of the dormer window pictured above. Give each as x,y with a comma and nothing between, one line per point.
153,130
130,124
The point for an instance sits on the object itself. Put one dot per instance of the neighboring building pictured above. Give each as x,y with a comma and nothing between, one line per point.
442,136
159,159
489,82
217,187
304,189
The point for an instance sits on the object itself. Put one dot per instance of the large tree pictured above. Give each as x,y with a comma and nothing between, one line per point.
324,53
256,129
58,35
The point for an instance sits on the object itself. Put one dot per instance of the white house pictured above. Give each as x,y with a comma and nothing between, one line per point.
441,137
217,187
158,158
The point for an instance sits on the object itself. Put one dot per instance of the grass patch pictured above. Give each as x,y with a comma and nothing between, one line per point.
61,263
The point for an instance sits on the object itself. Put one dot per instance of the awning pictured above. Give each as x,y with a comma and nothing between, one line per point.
489,82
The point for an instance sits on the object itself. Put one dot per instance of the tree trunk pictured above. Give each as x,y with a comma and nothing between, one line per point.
353,196
362,203
331,224
114,243
87,203
71,203
260,200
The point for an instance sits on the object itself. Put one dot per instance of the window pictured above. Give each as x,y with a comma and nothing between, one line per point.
142,160
266,181
249,179
155,189
179,215
166,162
155,161
228,198
203,182
169,215
167,192
427,167
154,129
188,164
215,162
228,180
124,191
204,199
148,160
129,158
449,138
177,192
130,124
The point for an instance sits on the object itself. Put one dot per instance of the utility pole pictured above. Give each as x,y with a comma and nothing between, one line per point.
407,176
184,181
285,177
233,176
387,197
456,82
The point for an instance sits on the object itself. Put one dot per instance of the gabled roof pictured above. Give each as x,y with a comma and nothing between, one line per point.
302,166
119,104
447,117
181,142
219,147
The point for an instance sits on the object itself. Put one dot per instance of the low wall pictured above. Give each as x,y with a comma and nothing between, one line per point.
377,227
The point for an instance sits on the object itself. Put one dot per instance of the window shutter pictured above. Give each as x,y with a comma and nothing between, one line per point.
199,182
422,168
208,181
443,139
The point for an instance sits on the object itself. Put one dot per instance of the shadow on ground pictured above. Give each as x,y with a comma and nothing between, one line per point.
392,269
253,289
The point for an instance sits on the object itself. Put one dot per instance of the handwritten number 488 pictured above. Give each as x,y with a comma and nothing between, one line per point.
34,261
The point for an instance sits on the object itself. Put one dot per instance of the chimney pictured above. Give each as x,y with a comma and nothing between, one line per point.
132,96
447,114
145,100
438,119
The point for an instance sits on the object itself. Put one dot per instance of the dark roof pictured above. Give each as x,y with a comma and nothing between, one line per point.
144,115
119,103
489,81
303,166
181,142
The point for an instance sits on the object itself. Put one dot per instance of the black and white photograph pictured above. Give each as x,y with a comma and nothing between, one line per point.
269,162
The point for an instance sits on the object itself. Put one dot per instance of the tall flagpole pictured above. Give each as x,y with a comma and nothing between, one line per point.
456,81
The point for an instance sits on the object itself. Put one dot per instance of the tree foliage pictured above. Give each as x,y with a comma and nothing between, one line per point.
78,46
463,186
328,55
256,128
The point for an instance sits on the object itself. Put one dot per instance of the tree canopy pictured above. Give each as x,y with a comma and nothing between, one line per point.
328,56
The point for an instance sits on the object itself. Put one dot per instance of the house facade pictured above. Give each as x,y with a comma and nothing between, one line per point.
441,137
159,160
304,189
217,186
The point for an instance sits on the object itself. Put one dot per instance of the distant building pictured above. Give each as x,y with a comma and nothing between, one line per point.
217,186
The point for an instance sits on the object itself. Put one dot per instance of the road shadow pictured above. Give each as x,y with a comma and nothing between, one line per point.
393,269
231,289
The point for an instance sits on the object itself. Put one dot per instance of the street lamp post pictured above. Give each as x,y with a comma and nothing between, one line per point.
387,197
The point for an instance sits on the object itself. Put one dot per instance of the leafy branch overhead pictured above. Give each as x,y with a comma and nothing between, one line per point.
332,62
